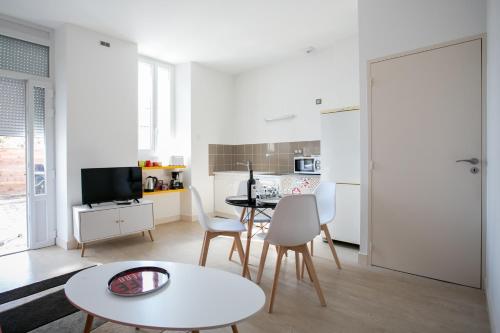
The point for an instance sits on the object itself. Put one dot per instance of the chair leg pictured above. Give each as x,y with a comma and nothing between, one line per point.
233,248
281,252
324,227
312,247
263,256
297,265
303,268
239,247
312,271
204,250
234,328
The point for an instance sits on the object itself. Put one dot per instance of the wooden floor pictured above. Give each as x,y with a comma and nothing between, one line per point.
359,298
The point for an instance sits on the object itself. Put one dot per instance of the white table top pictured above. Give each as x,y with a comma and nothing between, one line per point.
195,298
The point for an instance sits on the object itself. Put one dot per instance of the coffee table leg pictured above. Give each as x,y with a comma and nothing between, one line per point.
246,271
88,323
234,328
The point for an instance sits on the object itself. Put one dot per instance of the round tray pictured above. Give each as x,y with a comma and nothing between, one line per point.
138,281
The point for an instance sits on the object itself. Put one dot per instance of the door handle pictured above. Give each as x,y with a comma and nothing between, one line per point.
472,161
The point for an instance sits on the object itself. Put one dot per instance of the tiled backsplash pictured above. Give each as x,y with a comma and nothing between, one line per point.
266,157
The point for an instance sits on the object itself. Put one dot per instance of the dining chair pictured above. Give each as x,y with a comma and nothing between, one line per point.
295,222
260,218
326,199
216,227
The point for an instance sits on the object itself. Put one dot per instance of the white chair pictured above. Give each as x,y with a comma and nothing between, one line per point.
295,222
260,218
216,227
326,199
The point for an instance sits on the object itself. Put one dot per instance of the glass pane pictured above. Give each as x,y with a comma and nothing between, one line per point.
39,144
164,102
25,57
145,86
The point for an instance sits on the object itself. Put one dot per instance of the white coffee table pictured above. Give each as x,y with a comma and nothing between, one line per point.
195,298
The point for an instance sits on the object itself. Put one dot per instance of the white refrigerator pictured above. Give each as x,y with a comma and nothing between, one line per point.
340,163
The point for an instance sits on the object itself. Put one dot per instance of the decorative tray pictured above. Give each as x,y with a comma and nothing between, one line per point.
138,281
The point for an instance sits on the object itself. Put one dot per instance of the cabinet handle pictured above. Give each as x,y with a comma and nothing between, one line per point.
117,221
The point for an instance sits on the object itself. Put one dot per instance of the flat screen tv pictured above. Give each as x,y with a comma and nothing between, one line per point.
111,184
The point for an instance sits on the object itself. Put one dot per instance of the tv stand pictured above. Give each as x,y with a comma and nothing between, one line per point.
123,203
111,220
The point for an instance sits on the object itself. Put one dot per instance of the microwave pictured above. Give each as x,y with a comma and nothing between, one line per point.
307,165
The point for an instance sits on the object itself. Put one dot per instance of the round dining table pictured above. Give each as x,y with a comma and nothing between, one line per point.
195,298
250,209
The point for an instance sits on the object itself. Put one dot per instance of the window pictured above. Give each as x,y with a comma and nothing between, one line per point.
155,103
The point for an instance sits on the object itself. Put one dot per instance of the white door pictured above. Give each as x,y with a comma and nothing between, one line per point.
40,164
136,218
426,206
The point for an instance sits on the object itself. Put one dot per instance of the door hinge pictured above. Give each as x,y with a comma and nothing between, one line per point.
371,82
371,166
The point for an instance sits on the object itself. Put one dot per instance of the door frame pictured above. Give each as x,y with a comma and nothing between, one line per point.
481,37
31,81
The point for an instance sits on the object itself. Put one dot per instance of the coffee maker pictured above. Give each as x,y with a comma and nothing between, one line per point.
176,181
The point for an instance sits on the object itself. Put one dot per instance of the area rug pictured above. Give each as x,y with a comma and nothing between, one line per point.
41,307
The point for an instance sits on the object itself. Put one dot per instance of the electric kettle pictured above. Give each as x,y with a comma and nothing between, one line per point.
150,184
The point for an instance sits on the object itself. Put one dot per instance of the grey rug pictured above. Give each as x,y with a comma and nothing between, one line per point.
40,307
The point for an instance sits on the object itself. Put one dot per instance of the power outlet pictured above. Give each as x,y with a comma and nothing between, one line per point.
318,101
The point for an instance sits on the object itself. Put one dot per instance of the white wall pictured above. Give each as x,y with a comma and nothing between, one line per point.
183,128
391,26
292,87
96,112
212,119
493,167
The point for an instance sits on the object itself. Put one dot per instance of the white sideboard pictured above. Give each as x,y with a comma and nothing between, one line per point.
111,220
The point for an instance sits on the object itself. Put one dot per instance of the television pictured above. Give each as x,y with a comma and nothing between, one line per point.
111,184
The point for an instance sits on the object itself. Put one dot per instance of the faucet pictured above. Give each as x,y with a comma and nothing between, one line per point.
248,164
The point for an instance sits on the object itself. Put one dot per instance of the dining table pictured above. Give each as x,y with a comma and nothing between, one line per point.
250,210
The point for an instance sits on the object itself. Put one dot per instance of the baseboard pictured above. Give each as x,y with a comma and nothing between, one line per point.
363,259
229,216
168,219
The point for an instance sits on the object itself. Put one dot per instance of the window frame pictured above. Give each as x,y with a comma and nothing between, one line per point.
155,128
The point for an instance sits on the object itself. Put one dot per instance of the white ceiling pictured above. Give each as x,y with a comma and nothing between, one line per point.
229,35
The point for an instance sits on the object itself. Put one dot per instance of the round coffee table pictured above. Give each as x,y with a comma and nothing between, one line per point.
194,299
